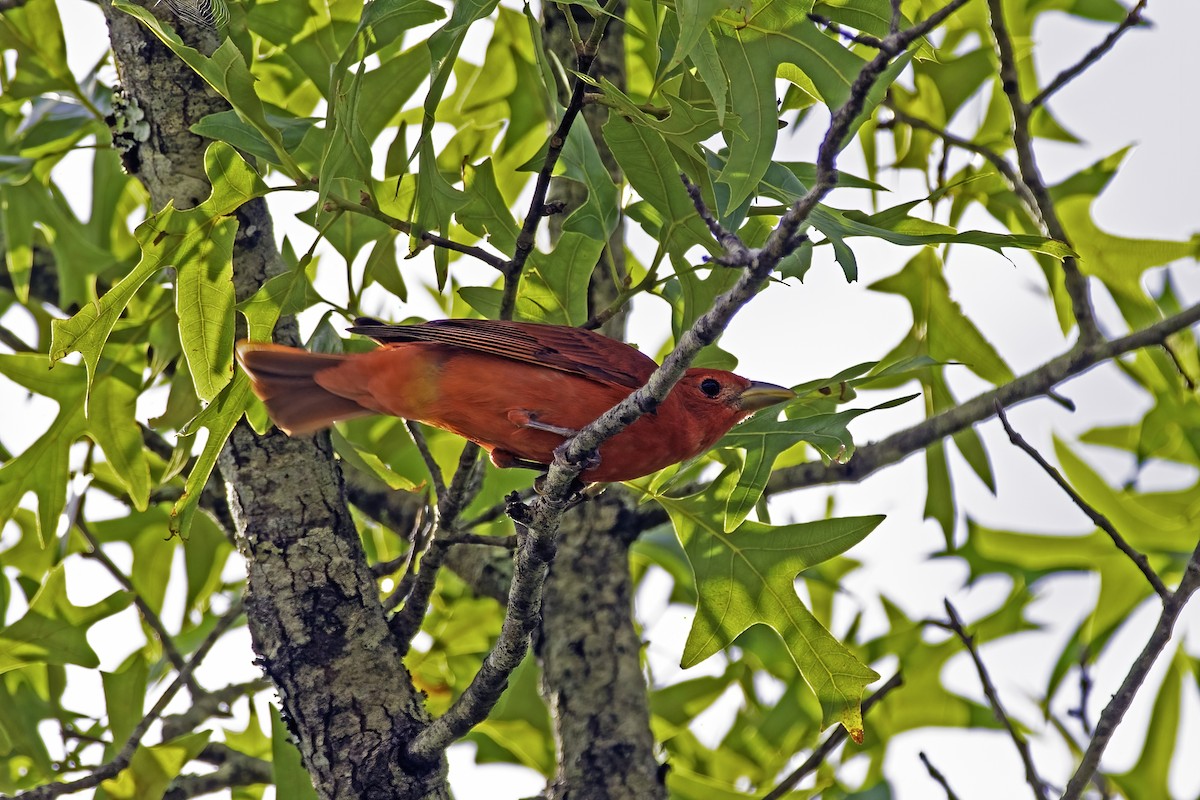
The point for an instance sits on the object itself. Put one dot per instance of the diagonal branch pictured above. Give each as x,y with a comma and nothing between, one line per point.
937,775
1134,17
119,762
1041,381
993,698
835,738
1114,712
1138,558
524,606
586,57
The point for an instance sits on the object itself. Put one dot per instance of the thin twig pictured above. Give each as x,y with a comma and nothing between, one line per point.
894,22
1085,692
858,38
1134,17
1038,382
937,775
451,539
1138,558
366,208
993,698
149,616
835,738
1075,281
736,252
435,471
119,762
1114,712
585,59
995,159
210,704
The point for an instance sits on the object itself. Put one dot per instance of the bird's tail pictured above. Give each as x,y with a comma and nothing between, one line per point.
284,378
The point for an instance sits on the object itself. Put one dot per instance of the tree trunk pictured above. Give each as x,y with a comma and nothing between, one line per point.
312,605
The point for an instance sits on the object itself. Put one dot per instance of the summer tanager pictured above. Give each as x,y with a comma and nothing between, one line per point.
516,388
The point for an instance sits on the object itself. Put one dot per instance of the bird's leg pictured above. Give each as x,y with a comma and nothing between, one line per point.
528,419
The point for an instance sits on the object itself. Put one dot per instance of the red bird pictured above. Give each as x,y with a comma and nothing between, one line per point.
518,389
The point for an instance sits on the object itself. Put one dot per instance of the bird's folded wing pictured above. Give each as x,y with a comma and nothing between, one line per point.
574,350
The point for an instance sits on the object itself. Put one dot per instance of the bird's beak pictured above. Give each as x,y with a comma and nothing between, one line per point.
761,395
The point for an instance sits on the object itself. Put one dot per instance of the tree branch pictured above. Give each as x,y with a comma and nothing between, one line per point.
1138,558
119,762
368,209
538,522
1134,17
831,743
234,769
1114,712
1076,282
993,697
937,775
1041,381
586,57
524,604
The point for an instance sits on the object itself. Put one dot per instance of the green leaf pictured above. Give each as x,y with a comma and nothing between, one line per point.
746,577
751,55
485,213
152,769
581,162
229,127
204,302
218,418
764,438
436,203
653,173
198,238
1119,262
286,293
444,45
694,16
53,631
291,779
16,225
43,468
940,328
124,699
113,426
566,271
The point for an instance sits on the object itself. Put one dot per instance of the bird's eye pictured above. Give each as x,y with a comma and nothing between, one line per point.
710,387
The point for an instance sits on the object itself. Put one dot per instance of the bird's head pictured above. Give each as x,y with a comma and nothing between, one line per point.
721,399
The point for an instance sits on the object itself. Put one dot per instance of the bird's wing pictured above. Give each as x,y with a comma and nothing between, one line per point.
574,350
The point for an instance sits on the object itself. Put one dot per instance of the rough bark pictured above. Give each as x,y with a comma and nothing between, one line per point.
313,610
